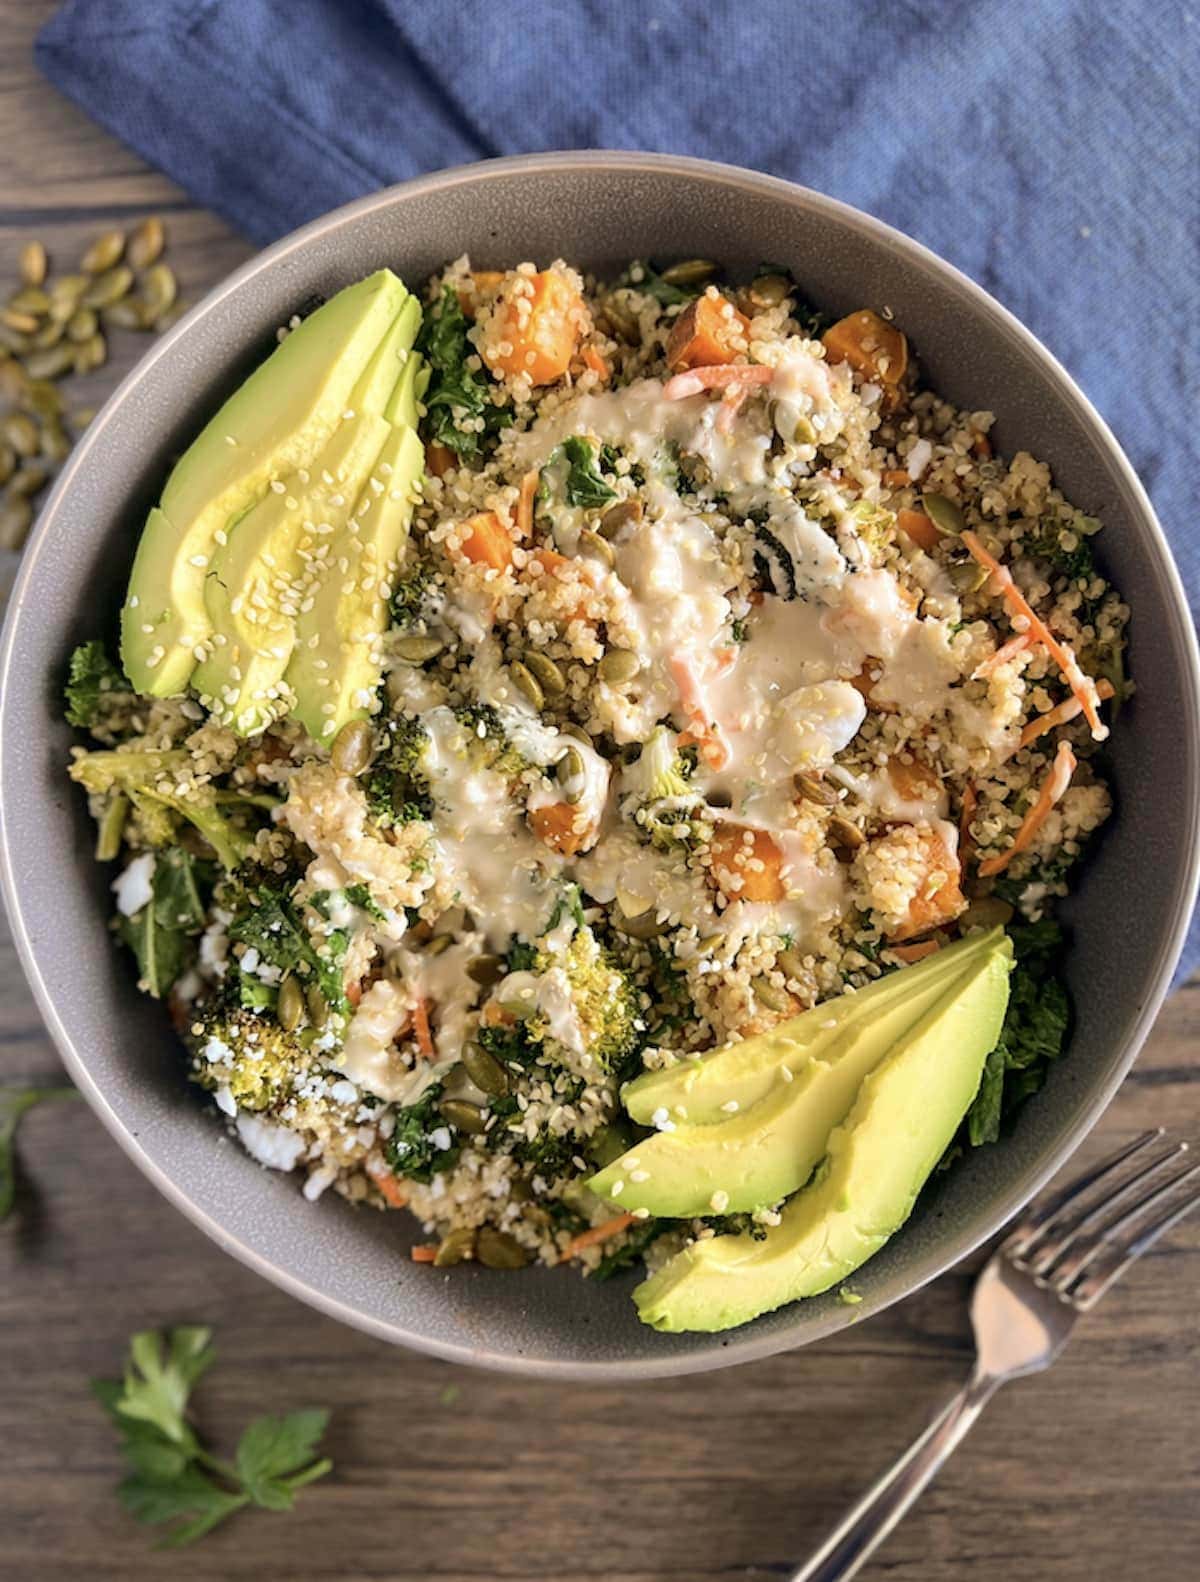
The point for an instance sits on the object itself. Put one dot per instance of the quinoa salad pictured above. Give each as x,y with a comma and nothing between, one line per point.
705,669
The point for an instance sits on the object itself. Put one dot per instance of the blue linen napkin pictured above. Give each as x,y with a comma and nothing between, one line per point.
1049,148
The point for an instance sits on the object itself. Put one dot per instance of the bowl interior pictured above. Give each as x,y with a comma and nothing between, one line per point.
599,211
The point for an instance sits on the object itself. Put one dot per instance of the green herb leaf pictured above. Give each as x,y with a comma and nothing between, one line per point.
584,484
411,1150
91,674
14,1102
271,1448
158,1379
458,396
269,923
191,1493
160,934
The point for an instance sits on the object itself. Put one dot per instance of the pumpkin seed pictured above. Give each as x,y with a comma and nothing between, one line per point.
82,416
289,1008
21,432
464,1117
33,263
146,243
159,289
813,789
128,314
618,666
844,836
13,378
619,516
644,926
318,1006
23,323
767,994
986,911
768,291
8,461
456,1246
527,684
486,970
439,944
969,576
791,964
51,332
14,340
548,675
578,732
30,299
15,519
571,775
600,547
103,253
945,515
41,396
484,1070
621,319
353,748
496,1249
51,362
82,325
417,650
112,826
108,287
56,444
521,1008
29,481
92,354
689,272
165,320
710,942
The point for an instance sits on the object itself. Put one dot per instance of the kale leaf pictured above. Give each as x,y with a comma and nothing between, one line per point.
91,674
456,391
269,923
411,1149
160,934
633,1245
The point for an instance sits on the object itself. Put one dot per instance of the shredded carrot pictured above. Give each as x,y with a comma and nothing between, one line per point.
389,1188
1053,789
1006,651
910,953
597,1234
525,501
420,1018
1066,711
597,362
714,749
1082,686
694,381
423,1252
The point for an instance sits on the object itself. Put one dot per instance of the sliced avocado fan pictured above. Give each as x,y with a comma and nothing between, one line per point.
756,1157
904,1118
274,423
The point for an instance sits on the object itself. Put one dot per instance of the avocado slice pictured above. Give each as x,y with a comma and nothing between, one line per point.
697,1090
275,422
901,1123
759,1156
337,661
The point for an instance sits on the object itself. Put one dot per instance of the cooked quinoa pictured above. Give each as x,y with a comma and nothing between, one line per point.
697,709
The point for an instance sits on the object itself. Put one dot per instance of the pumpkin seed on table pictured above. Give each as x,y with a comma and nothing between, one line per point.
13,378
82,325
20,431
945,515
30,299
455,1247
290,1006
159,289
41,396
767,994
417,650
618,666
352,748
103,253
8,461
130,313
49,335
146,243
689,272
484,1070
33,264
108,287
527,684
90,355
52,361
495,1249
29,481
65,293
547,674
16,517
16,319
15,341
56,443
464,1117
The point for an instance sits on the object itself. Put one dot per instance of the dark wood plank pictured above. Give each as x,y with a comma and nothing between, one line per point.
1090,1471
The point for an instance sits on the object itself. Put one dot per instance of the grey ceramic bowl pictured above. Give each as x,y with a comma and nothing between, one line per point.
599,209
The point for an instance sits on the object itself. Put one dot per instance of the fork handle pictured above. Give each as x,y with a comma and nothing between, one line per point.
866,1526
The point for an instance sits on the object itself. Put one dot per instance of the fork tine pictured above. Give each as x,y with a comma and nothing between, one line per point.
1062,1274
1095,1284
1048,1246
1043,1215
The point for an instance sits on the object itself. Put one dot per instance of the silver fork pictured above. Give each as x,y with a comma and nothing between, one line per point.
1058,1262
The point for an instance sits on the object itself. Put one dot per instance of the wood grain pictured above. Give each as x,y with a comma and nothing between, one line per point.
1089,1472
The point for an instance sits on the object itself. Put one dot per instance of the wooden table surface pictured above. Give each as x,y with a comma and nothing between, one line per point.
1092,1471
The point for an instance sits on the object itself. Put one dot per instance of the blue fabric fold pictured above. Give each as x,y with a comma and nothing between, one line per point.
1049,148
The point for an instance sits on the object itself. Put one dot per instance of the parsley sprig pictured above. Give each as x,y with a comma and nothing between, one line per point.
14,1102
173,1478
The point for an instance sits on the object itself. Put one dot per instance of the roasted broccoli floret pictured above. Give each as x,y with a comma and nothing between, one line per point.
244,1052
396,787
605,999
491,746
658,797
152,780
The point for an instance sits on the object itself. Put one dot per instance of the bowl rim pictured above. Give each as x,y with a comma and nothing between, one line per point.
738,1346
